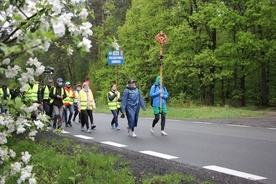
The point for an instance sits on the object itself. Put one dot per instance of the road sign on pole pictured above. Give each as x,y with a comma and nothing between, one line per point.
115,57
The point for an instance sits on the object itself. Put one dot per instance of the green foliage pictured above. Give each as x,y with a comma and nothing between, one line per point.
66,161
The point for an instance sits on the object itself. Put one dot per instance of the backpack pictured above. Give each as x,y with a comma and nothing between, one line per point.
151,99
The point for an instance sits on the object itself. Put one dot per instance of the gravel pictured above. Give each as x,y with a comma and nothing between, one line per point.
142,165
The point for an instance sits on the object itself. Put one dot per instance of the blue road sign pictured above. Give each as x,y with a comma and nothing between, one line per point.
115,57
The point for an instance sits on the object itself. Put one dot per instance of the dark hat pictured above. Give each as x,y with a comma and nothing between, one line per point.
131,81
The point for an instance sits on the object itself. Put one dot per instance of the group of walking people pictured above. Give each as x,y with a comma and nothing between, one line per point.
61,100
131,102
56,101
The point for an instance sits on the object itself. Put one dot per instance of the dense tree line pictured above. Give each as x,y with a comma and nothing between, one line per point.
218,52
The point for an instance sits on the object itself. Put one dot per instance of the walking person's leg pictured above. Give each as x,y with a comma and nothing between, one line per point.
154,122
61,110
71,110
90,115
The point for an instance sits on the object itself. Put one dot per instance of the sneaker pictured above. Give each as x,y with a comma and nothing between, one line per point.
93,126
163,133
67,125
133,134
151,130
113,126
88,130
123,116
117,127
128,130
82,129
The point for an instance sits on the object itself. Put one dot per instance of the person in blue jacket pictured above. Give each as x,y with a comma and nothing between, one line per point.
131,102
157,93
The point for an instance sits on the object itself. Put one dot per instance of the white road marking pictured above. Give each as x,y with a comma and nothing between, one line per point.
83,137
173,120
114,144
201,122
234,172
64,132
243,126
156,154
272,128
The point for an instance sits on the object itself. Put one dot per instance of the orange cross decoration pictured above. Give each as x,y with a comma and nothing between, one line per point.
161,38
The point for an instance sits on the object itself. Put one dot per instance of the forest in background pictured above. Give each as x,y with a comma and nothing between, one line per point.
217,53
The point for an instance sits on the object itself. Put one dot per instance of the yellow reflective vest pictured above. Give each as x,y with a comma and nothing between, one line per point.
2,94
83,97
32,93
114,104
68,100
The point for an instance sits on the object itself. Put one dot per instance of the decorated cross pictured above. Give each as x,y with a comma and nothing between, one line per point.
161,38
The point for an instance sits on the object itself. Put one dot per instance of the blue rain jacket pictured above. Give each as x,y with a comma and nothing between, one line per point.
131,103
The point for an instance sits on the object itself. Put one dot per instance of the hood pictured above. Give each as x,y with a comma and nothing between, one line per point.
157,80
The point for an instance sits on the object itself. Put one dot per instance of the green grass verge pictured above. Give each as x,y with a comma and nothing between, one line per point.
64,161
202,112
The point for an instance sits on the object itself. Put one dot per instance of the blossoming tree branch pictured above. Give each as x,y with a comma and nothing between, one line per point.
28,27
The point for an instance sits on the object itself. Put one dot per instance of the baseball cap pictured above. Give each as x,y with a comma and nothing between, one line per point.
67,83
59,80
131,81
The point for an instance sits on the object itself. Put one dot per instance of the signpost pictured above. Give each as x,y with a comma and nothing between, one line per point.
115,57
161,38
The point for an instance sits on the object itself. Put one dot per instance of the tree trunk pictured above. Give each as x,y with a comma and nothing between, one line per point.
264,96
212,88
242,86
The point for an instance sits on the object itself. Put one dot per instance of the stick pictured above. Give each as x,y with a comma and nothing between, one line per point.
161,38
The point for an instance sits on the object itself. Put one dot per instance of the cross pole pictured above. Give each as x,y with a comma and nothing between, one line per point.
161,38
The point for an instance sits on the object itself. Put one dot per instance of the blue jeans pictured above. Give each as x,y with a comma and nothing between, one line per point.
65,114
115,118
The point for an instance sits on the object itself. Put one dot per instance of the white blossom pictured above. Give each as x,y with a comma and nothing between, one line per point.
26,157
3,137
59,27
83,14
12,153
20,129
32,181
39,124
85,29
4,154
32,133
86,44
56,6
6,61
15,168
12,72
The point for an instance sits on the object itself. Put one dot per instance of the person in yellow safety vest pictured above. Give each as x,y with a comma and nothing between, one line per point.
114,104
86,103
45,101
68,104
57,94
75,103
32,95
4,95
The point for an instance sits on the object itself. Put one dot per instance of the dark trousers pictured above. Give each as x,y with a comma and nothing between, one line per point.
85,116
156,119
76,112
115,118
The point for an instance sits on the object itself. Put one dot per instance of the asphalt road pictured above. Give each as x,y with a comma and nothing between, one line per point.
243,151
